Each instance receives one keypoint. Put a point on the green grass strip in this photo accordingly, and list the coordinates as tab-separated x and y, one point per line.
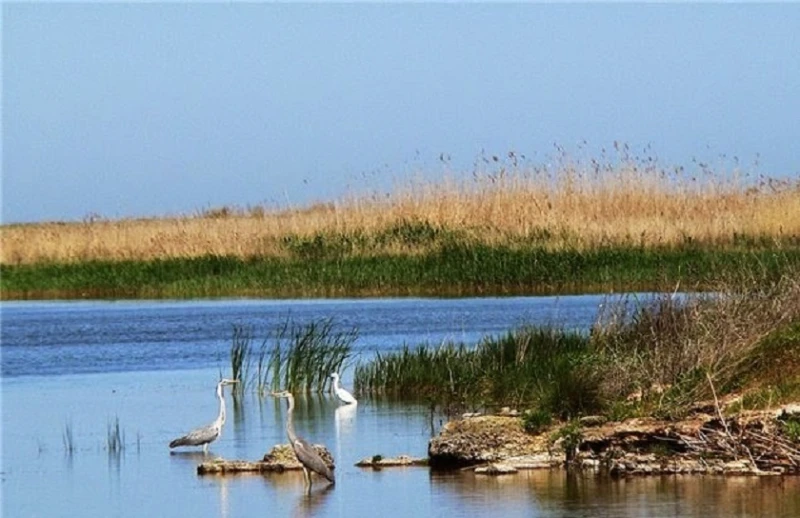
452	270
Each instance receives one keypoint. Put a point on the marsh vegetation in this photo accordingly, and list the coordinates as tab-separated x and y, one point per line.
298	357
507	227
642	357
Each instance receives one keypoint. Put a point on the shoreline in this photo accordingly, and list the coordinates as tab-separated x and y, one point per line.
749	443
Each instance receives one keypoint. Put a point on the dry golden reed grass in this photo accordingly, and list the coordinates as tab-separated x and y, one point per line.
580	206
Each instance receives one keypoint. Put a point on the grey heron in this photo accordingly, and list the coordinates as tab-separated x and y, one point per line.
305	453
205	435
341	393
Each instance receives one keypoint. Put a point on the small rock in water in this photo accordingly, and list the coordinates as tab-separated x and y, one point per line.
496	468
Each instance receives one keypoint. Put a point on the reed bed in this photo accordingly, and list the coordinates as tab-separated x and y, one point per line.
543	366
296	357
650	357
456	270
570	205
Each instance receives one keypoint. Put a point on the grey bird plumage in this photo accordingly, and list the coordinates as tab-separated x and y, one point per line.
305	453
205	435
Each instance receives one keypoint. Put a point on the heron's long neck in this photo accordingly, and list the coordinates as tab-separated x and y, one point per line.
290	420
221	416
336	384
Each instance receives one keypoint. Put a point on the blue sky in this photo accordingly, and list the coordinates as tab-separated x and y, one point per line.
127	110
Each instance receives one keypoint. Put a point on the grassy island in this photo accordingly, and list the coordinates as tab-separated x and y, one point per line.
514	229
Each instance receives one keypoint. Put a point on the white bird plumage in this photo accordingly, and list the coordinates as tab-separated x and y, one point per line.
343	395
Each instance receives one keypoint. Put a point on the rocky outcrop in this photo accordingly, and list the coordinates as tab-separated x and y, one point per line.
747	443
280	458
485	439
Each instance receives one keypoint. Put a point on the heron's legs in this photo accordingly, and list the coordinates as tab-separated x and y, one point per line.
205	449
307	477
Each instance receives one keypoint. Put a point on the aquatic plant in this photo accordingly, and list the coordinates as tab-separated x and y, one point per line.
261	376
642	357
240	354
115	438
294	356
67	439
304	355
543	366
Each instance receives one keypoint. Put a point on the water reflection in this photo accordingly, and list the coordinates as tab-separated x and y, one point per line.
344	422
344	418
224	506
193	456
558	493
309	504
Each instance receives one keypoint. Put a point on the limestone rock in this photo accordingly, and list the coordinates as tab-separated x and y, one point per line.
478	440
280	458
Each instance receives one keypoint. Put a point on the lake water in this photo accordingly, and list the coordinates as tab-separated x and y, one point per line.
152	367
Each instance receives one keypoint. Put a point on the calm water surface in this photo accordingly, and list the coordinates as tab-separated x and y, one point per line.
153	366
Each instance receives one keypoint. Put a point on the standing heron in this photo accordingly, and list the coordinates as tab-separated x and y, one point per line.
305	453
205	435
346	397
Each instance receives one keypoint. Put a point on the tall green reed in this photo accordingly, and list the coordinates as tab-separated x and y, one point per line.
295	356
533	366
304	356
241	358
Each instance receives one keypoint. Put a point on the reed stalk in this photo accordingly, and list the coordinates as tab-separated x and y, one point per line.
297	357
240	354
115	438
68	439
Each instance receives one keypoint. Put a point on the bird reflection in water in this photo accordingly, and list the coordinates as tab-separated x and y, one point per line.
311	503
344	422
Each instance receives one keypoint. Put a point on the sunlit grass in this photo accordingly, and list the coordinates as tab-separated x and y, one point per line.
569	205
